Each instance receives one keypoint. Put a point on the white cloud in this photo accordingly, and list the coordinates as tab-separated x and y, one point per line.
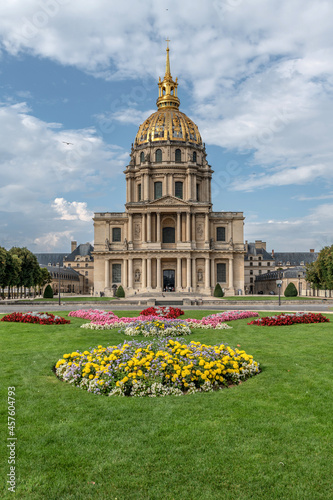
49	242
74	210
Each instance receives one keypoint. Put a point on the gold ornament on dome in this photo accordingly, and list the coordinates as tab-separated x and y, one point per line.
168	123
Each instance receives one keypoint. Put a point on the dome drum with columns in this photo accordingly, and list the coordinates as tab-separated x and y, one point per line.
168	237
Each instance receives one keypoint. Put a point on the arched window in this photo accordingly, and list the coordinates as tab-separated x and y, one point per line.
178	155
142	156
158	155
157	190
179	190
194	157
168	235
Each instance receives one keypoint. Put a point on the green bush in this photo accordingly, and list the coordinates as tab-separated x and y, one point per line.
120	292
218	292
290	291
48	292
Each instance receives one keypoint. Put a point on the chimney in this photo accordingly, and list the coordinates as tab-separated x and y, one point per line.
73	245
272	253
311	250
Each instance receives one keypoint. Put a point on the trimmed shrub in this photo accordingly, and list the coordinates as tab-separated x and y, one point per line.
120	292
218	292
48	292
290	291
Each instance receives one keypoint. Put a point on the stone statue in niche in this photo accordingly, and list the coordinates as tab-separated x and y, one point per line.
200	276
137	231
137	275
147	157
107	244
125	244
200	231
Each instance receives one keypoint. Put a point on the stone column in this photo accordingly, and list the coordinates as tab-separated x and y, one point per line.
130	273
212	272
149	227
144	273
231	273
144	231
130	227
193	227
207	273
179	227
188	273
146	186
158	227
207	228
179	273
127	190
107	274
189	184
149	273
159	274
124	273
194	275
188	226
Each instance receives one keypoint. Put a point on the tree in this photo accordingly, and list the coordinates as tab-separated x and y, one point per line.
44	278
218	292
320	272
3	262
48	292
120	292
290	291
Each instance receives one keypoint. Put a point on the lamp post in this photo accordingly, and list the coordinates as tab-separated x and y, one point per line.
59	283
279	284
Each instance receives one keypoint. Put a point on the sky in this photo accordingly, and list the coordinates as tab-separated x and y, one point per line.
255	76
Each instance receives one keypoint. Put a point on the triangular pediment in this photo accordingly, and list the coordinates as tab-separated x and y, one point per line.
169	200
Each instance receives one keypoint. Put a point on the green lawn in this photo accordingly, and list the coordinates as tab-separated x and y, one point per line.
268	438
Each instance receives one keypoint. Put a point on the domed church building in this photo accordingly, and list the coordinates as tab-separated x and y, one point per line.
168	238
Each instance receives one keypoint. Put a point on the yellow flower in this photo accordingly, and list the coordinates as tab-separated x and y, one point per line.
91	376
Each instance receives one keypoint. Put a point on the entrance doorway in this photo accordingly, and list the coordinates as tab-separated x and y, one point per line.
169	280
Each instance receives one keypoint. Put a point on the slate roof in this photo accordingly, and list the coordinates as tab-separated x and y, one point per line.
295	258
50	258
292	272
82	250
65	272
253	251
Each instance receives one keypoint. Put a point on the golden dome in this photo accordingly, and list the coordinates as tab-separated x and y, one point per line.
168	123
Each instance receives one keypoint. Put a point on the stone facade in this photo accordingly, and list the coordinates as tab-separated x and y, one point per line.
257	261
168	237
81	260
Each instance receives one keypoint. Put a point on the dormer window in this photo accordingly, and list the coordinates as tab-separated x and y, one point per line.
142	157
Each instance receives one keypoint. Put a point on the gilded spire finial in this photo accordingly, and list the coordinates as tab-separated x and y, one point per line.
167	68
167	88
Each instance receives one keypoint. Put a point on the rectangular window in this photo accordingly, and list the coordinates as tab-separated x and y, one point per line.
139	192
116	273
179	190
87	273
251	280
220	234
198	192
116	234
259	264
157	190
221	273
251	272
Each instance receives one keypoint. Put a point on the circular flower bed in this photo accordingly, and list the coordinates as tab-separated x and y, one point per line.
93	314
163	312
216	321
35	317
157	328
158	368
290	319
